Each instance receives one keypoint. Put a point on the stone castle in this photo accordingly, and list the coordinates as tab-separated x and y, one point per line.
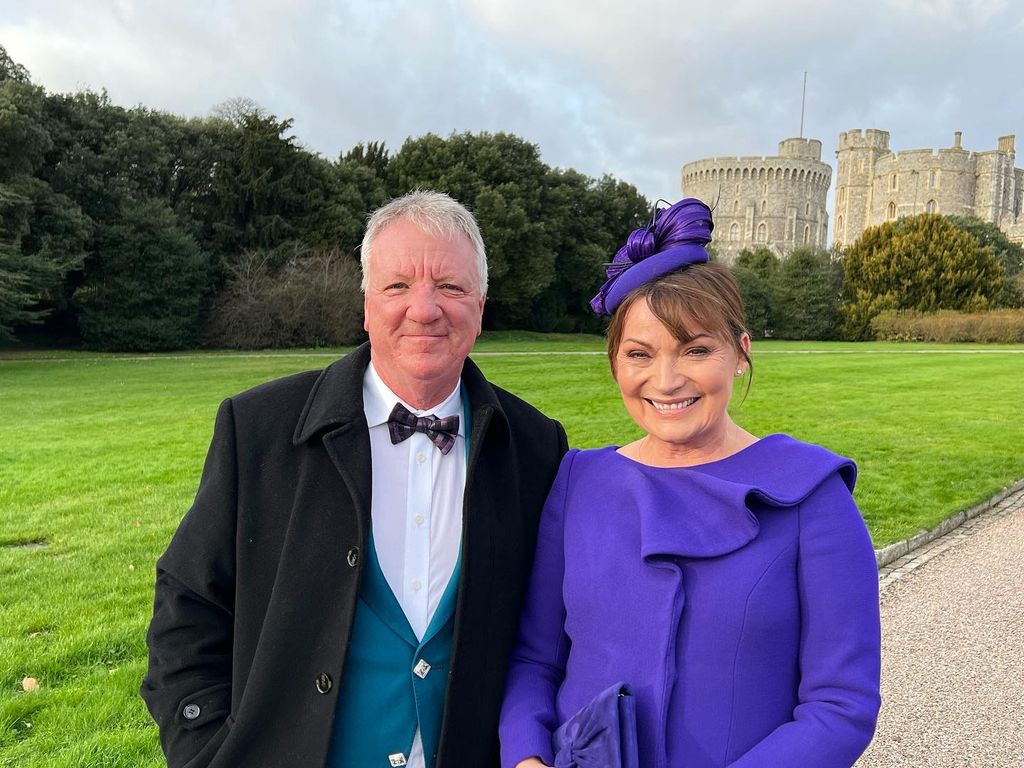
776	202
779	202
875	184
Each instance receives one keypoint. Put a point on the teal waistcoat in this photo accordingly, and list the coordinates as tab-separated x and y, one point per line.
385	692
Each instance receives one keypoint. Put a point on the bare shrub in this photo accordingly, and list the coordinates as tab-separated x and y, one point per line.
998	326
308	297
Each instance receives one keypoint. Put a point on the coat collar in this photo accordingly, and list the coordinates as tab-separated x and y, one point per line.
712	509
336	399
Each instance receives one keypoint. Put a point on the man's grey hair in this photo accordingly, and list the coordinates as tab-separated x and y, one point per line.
435	213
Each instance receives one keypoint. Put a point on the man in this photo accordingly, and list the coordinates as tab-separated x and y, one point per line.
345	588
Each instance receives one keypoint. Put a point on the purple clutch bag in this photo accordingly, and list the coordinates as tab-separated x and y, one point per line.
601	735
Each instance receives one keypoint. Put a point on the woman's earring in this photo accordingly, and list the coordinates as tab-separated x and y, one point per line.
739	371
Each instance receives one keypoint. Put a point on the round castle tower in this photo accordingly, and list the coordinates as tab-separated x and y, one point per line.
775	202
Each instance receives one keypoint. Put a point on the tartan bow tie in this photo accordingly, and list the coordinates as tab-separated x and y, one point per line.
402	423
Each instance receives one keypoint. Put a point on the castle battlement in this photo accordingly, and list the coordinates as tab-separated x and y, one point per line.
870	138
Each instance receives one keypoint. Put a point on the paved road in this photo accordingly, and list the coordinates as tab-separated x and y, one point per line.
953	649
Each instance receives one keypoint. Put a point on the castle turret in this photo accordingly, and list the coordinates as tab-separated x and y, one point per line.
856	158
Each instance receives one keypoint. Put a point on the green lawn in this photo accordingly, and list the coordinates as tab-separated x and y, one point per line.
100	454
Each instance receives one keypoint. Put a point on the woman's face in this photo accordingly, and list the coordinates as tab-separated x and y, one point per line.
677	393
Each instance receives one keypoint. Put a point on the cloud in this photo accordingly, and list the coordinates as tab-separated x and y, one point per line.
634	90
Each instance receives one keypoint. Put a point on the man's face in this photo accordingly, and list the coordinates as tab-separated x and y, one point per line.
423	309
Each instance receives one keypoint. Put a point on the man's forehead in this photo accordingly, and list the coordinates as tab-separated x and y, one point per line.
405	247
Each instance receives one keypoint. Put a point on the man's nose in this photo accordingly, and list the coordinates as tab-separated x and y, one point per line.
424	306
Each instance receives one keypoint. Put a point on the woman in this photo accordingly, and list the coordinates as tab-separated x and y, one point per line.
728	580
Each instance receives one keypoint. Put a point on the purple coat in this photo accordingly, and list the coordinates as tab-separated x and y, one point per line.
738	600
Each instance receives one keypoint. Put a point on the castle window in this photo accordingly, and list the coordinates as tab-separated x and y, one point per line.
734	231
839	226
893	182
762	233
842	195
807	209
807	234
764	206
735	206
931	207
771	174
891	213
933	179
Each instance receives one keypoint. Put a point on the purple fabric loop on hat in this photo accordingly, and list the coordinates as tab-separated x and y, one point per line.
676	238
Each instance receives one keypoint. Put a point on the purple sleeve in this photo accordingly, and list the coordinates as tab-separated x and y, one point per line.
840	642
537	665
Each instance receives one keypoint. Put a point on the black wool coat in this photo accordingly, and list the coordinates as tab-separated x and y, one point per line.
256	594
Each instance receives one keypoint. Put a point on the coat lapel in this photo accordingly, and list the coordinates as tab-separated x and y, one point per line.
335	409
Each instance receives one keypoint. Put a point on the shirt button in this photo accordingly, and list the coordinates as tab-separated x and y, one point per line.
418	519
421	457
353	557
324	682
416	585
191	711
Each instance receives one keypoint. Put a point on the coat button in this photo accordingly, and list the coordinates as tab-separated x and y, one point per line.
353	557
191	711
323	682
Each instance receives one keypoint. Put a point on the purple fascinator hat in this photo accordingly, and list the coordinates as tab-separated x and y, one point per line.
675	237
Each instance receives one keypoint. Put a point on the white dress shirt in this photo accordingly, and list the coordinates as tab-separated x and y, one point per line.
416	508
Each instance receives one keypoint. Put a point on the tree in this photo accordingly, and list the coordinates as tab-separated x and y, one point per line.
806	296
755	272
588	221
373	155
923	263
41	232
144	284
12	70
1009	254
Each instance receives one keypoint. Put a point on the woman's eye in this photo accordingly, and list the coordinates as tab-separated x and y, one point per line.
698	351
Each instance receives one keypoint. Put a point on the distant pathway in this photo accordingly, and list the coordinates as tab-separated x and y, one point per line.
953	649
334	355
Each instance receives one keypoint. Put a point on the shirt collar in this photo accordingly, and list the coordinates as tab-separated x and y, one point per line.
379	400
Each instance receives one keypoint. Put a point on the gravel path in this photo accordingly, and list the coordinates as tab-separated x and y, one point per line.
953	649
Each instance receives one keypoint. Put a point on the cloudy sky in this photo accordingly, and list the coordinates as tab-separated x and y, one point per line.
633	89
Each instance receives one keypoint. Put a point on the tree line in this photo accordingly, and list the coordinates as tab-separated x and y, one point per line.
135	229
138	229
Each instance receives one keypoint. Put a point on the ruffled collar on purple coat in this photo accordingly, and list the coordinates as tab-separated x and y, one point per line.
675	238
715	515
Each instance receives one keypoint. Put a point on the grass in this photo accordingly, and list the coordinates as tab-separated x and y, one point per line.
100	454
